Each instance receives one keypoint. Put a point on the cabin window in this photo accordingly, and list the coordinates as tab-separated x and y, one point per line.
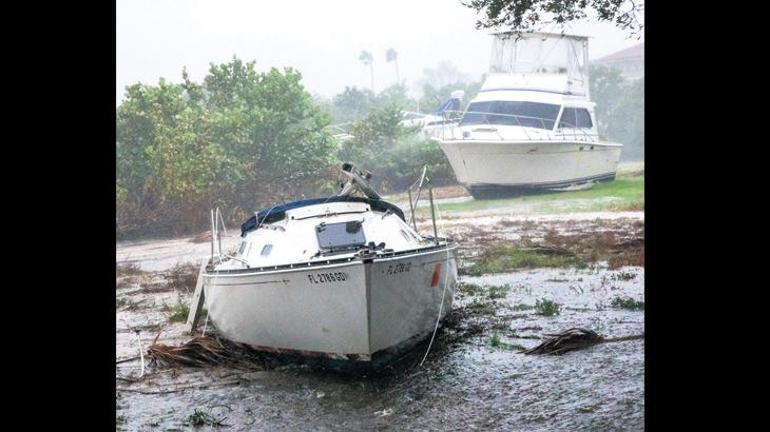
512	113
244	248
584	118
340	236
575	117
568	118
405	235
266	249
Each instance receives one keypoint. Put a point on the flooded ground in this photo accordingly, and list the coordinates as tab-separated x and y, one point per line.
473	379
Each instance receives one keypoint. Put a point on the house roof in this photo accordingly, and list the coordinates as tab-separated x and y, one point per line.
634	52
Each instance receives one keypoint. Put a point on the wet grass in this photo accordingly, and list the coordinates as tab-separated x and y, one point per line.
627	303
494	341
634	257
486	292
202	418
127	269
121	302
179	312
547	307
498	292
625	193
503	257
183	277
623	276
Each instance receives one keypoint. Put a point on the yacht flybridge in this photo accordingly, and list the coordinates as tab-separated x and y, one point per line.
532	124
343	277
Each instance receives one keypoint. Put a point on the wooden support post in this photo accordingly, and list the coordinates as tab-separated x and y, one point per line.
196	305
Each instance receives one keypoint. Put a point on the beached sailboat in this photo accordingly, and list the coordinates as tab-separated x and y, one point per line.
342	277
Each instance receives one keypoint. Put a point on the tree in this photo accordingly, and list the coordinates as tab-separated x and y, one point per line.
524	15
392	56
352	104
367	59
444	74
393	153
619	110
240	140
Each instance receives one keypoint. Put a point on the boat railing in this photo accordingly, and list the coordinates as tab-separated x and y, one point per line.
564	132
422	181
217	222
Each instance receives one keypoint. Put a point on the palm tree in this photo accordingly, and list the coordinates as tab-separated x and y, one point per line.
367	59
392	56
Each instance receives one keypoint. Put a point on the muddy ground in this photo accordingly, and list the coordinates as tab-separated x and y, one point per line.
473	377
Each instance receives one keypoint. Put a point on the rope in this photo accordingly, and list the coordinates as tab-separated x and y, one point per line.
141	352
205	323
443	295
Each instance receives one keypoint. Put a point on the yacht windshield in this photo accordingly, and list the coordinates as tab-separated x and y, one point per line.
512	113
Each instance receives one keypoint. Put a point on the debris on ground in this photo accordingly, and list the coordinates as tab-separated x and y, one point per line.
205	351
573	339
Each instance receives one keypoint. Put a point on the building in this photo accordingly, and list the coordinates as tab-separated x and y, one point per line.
630	61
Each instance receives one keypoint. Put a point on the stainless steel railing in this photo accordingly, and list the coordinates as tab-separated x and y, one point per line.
450	128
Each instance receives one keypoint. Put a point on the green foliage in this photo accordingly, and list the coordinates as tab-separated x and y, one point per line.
627	303
352	104
547	307
494	341
201	418
520	15
355	104
180	311
393	153
619	109
238	138
502	257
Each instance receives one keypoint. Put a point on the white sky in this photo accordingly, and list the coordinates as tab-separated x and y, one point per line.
322	39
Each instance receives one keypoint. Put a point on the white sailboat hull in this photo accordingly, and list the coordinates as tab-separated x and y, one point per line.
346	310
497	165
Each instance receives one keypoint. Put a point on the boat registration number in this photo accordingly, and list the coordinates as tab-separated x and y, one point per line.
327	277
399	268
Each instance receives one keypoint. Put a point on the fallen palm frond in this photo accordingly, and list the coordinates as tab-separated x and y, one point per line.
205	351
573	339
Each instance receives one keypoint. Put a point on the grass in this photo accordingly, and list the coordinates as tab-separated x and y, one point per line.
180	311
627	303
127	269
469	288
623	276
120	302
497	292
502	257
625	193
495	342
183	277
547	307
201	418
487	292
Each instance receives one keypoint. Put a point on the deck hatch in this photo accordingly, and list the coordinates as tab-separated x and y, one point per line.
342	235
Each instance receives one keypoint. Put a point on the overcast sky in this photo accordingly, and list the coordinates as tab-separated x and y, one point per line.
322	39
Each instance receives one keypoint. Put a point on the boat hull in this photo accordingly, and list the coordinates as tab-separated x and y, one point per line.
494	168
348	311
